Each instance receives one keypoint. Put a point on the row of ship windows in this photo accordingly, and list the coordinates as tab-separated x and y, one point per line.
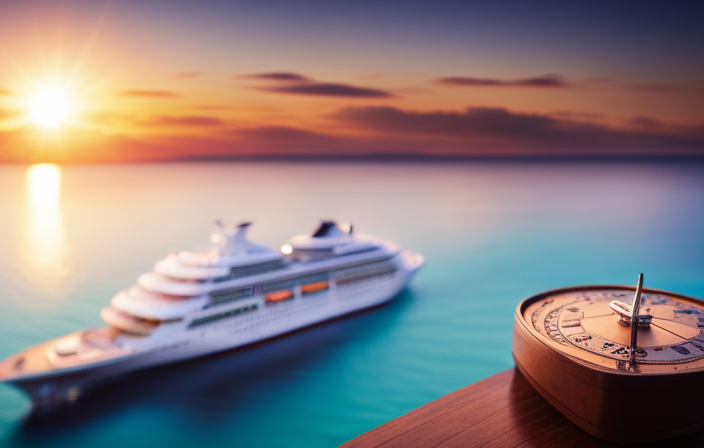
282	290
285	294
246	271
279	296
248	325
223	315
236	311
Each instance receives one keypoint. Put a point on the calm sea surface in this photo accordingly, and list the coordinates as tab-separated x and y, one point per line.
492	234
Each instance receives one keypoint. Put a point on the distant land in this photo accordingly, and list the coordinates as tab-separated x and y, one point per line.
427	158
389	158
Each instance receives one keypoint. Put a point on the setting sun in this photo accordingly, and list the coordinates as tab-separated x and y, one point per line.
49	108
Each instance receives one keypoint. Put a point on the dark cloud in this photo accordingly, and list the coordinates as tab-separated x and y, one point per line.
656	88
645	122
189	75
262	140
541	81
295	84
498	127
278	133
578	115
139	93
538	81
474	121
665	88
464	81
186	120
329	89
278	76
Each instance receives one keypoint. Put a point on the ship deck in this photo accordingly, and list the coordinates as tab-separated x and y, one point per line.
32	360
92	346
501	411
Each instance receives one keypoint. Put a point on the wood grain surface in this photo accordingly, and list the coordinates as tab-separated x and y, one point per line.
501	411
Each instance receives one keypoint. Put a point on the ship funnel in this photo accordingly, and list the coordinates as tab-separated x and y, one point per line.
329	229
234	242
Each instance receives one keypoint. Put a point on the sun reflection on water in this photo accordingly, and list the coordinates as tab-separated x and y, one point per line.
45	252
44	183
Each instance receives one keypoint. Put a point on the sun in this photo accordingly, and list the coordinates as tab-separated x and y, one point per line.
50	107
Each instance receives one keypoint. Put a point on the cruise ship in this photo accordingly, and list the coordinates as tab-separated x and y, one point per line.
197	303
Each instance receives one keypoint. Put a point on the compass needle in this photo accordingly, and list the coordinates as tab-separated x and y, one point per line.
635	318
598	315
671	332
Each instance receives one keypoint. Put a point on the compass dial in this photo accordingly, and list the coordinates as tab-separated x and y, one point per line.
624	364
584	324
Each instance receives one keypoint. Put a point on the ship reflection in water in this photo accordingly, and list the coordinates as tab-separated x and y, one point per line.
45	253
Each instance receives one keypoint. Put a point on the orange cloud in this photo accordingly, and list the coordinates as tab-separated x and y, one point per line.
185	120
578	115
279	133
188	75
150	93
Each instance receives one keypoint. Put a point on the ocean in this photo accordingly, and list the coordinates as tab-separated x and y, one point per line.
492	233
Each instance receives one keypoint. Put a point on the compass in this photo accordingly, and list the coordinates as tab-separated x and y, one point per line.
624	363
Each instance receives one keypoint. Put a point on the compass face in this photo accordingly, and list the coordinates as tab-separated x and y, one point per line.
581	323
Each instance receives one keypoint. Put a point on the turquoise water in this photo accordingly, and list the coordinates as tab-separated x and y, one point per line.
492	234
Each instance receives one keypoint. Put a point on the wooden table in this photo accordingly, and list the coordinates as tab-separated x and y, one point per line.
501	411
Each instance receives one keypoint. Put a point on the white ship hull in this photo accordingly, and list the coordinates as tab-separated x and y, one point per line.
180	344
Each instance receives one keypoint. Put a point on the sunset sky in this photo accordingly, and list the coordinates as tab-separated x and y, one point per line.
164	79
